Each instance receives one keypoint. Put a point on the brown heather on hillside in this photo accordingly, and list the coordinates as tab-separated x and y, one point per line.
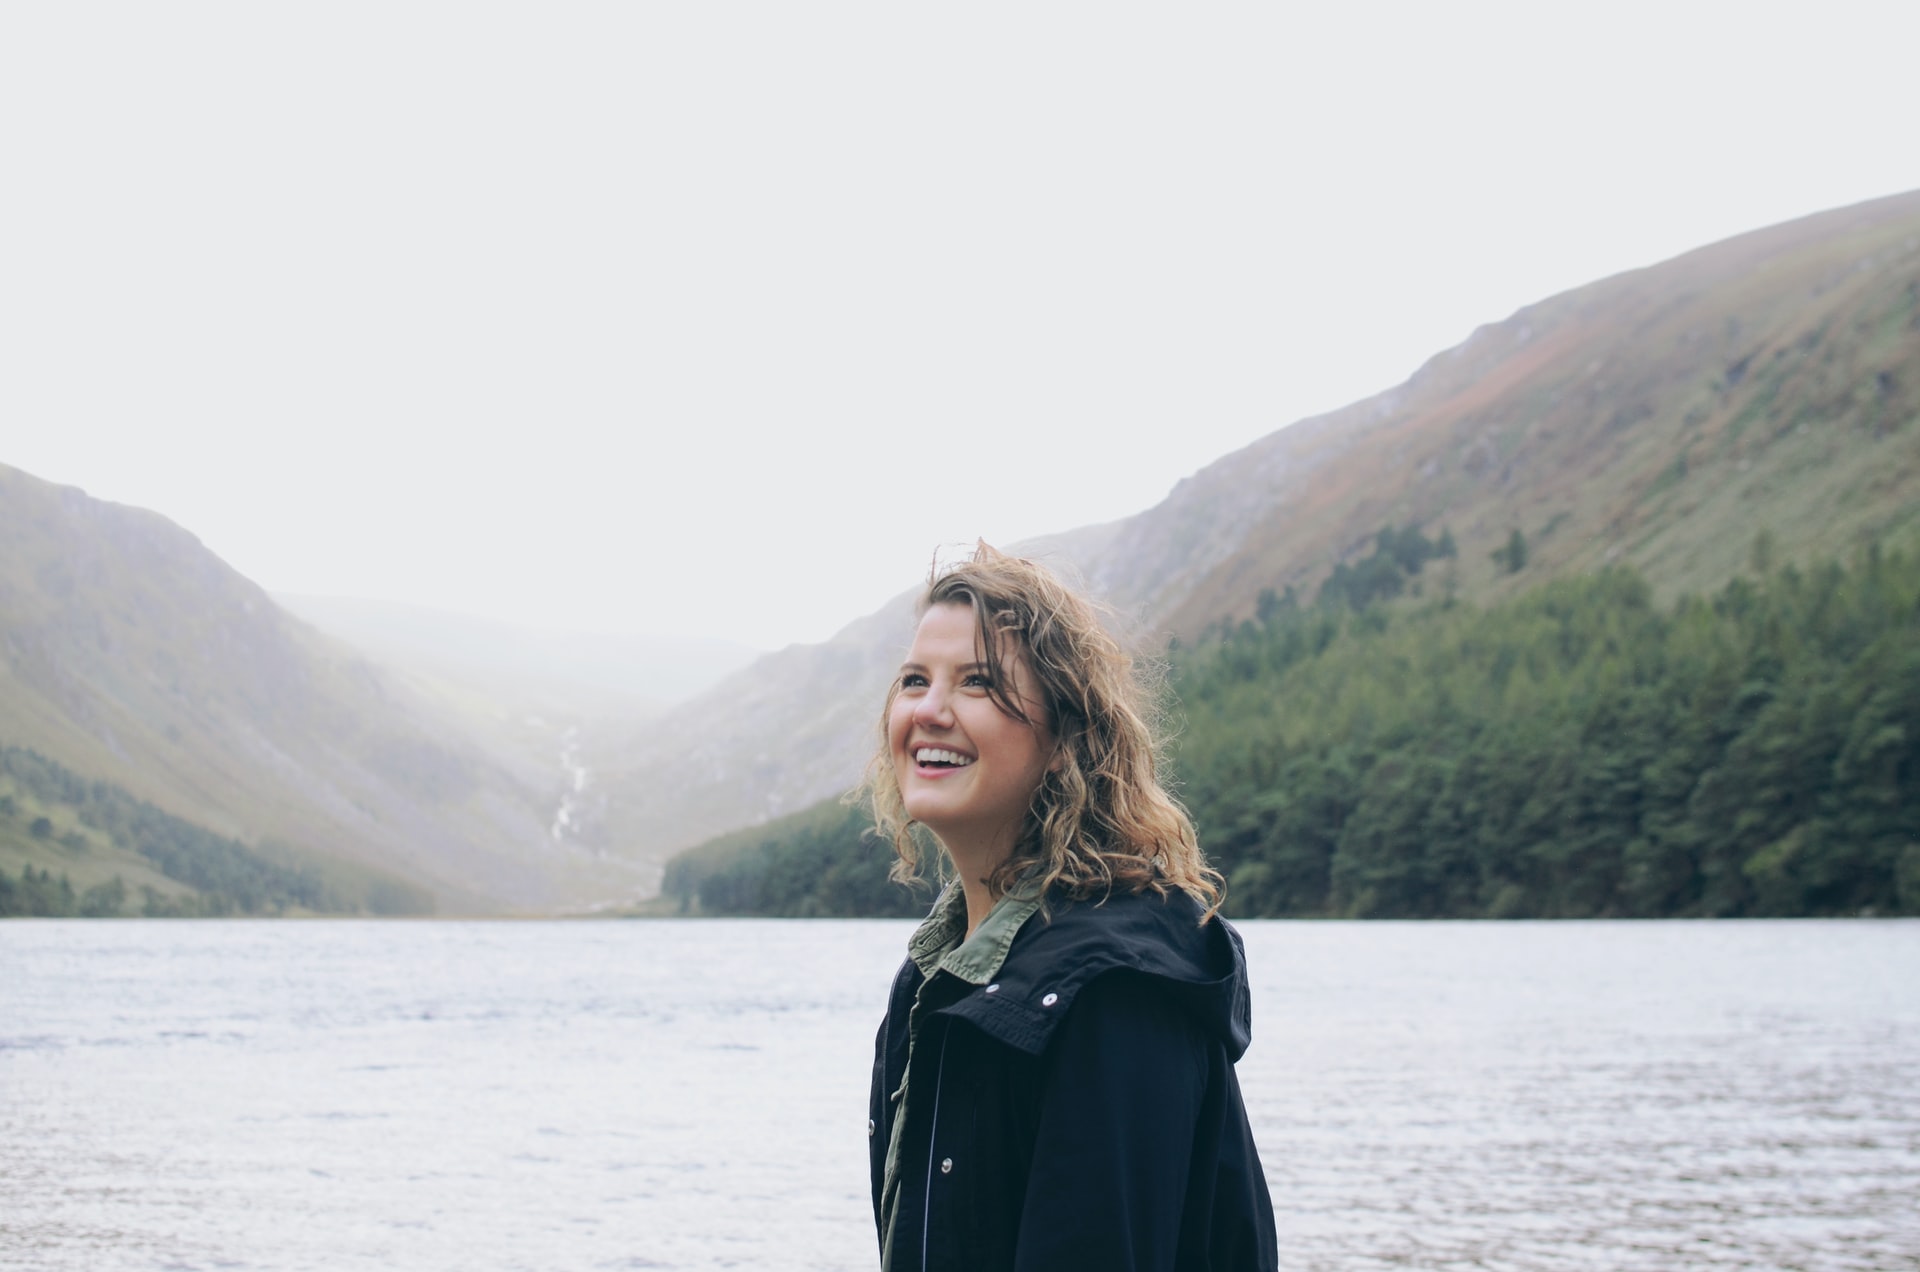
1662	418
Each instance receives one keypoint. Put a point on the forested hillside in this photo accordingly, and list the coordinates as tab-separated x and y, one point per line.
1657	419
1576	751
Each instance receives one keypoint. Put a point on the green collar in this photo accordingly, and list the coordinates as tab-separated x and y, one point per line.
937	944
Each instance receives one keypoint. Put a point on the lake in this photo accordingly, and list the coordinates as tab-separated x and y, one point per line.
692	1094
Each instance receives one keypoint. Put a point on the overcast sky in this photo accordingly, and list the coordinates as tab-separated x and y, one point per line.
719	318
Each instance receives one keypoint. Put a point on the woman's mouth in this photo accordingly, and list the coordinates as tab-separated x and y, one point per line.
939	758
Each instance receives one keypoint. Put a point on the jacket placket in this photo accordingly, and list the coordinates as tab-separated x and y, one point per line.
907	1216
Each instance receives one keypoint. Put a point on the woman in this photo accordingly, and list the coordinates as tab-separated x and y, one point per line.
1053	1084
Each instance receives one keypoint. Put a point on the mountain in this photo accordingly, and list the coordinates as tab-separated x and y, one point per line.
1662	418
1659	418
132	655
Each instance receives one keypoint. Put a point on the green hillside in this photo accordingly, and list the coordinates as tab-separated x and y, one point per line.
1577	750
818	863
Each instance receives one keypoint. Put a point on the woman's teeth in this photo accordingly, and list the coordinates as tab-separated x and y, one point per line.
935	755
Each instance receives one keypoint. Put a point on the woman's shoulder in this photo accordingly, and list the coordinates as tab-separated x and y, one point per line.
1159	942
1168	933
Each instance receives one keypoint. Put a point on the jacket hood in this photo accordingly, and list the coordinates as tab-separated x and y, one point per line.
1062	949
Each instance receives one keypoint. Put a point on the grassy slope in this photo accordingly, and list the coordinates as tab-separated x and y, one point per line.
95	860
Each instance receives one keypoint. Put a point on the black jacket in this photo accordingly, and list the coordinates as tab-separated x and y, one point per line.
1081	1111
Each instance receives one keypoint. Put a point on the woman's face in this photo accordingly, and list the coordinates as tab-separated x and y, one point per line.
967	770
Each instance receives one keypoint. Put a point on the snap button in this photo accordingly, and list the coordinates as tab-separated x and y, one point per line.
1050	1000
869	1128
946	1165
993	989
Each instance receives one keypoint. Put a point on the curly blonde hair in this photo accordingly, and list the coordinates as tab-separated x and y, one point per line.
1100	820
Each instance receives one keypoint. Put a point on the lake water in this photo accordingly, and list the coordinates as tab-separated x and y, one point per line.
589	1095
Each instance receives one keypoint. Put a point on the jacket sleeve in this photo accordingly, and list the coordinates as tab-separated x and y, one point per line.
1123	1087
878	1126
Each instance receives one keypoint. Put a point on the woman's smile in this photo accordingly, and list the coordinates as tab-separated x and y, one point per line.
934	761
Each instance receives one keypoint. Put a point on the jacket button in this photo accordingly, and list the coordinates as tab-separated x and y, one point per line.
946	1165
1050	1000
993	988
869	1128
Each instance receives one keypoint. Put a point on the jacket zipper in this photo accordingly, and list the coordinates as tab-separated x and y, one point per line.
933	1140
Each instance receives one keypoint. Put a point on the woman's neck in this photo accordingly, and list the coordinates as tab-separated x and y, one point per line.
974	863
980	900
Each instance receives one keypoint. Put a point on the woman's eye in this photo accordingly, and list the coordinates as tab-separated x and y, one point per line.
978	680
913	680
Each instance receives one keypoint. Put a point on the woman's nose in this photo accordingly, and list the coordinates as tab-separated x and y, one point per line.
934	707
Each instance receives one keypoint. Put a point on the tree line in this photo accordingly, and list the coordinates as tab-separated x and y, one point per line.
821	862
38	893
1576	751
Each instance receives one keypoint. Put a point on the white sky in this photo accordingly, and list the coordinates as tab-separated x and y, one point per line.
717	318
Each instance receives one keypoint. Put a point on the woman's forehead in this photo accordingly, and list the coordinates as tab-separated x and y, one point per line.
950	631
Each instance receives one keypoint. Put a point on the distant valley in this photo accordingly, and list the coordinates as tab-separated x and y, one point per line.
577	675
135	658
1663	419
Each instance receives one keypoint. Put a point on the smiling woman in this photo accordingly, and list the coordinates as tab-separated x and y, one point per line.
1053	1084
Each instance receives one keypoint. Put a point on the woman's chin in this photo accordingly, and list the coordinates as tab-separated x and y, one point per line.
928	812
